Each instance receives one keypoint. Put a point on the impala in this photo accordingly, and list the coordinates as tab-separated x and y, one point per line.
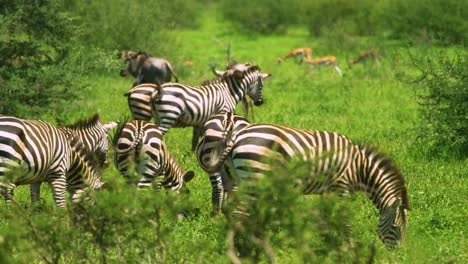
326	60
296	53
365	56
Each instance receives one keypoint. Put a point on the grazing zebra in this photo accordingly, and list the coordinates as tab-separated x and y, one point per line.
94	135
178	105
251	151
33	151
139	101
139	150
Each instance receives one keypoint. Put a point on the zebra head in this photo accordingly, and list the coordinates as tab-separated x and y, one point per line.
250	79
393	224
218	136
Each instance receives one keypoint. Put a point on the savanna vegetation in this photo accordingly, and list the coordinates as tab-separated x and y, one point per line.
58	63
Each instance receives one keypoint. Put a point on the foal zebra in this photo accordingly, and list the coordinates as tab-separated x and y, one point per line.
178	105
34	151
251	151
139	150
94	135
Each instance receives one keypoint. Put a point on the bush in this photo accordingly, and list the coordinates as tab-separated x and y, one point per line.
280	216
35	41
264	17
442	91
133	25
352	17
442	21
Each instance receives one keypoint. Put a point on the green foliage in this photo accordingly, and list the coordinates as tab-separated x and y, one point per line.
443	95
276	215
440	21
135	25
264	17
35	39
352	17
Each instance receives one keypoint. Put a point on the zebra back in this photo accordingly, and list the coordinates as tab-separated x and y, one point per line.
140	152
178	105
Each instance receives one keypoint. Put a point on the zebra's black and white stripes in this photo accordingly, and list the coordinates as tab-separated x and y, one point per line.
94	135
139	101
178	105
34	151
140	154
252	151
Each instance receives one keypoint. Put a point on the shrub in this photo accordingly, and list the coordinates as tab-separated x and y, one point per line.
443	21
135	25
264	17
352	17
442	94
280	216
35	41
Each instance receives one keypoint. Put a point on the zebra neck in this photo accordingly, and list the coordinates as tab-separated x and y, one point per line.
83	170
173	173
236	88
380	180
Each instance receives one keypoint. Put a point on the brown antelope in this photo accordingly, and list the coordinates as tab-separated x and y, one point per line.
364	56
296	53
326	60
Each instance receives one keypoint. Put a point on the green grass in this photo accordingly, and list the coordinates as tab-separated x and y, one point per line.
367	105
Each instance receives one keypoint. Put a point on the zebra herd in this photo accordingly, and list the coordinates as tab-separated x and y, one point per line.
227	146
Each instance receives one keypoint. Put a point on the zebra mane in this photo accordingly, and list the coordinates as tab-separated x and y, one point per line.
386	162
85	123
78	146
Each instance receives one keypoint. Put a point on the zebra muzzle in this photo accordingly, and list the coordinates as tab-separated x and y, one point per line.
258	102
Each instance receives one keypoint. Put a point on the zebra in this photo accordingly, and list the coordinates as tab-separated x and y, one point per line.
251	150
94	135
139	150
178	105
33	151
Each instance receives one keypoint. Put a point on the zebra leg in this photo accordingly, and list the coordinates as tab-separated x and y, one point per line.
35	189
58	186
197	131
9	192
217	192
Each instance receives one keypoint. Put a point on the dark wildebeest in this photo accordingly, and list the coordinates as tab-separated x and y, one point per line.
146	69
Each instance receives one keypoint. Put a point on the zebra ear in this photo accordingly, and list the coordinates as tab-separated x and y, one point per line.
219	73
189	176
110	126
264	75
